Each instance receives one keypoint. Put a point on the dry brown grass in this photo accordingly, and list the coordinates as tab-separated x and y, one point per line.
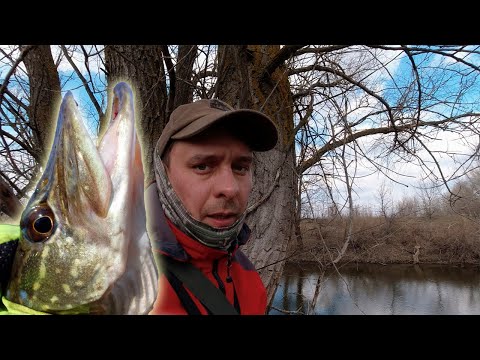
447	240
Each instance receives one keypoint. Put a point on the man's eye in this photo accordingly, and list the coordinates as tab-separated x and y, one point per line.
201	167
241	169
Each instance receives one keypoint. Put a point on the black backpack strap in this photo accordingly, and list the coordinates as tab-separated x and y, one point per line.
185	299
209	295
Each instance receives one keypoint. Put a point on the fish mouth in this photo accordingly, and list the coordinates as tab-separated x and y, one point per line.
81	182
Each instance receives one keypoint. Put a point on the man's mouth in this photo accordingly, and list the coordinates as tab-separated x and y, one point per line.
221	220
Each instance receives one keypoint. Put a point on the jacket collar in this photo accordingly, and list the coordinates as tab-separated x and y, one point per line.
166	238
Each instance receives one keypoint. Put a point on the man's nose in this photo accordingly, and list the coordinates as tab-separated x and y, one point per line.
226	184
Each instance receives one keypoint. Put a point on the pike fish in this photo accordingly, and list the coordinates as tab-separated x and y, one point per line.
83	246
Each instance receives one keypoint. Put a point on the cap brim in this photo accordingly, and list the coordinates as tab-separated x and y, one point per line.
255	128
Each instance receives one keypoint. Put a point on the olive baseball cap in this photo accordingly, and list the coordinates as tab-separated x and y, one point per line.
256	129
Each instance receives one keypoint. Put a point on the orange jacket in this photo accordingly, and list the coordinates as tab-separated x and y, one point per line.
232	273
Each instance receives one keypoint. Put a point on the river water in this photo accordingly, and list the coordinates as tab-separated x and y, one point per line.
378	289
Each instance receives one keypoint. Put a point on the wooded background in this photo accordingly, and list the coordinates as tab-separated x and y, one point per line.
335	106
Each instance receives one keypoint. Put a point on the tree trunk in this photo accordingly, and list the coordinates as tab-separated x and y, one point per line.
9	204
241	83
141	66
298	215
186	57
44	96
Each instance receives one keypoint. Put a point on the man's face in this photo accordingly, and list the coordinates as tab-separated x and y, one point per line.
211	174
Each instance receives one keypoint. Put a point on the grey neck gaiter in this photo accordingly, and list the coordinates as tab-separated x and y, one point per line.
174	210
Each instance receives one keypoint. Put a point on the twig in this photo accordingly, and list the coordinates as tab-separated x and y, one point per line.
24	52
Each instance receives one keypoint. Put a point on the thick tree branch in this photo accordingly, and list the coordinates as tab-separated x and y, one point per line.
284	54
315	158
183	72
320	50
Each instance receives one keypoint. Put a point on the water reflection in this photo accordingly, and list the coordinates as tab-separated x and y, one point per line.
378	289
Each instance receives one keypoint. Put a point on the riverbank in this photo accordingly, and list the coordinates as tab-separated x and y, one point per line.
449	240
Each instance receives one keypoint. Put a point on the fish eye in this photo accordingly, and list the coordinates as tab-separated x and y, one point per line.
39	223
43	225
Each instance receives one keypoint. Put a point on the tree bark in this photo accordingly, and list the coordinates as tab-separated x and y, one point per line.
240	83
9	204
184	69
44	96
141	66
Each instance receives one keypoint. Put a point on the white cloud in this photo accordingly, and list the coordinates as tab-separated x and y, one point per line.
369	179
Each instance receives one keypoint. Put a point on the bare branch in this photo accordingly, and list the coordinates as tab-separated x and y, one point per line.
6	80
433	51
172	77
15	99
320	50
84	82
267	194
19	142
419	85
304	120
301	168
350	80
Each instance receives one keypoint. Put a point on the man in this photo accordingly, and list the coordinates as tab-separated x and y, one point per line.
196	209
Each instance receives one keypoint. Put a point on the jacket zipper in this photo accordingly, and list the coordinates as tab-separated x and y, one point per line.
229	279
221	285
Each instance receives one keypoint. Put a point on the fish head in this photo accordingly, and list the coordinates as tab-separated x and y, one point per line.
83	228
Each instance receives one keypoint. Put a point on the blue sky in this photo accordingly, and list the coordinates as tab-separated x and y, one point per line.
442	76
371	179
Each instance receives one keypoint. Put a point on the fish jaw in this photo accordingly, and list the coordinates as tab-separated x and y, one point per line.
121	154
136	290
77	229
